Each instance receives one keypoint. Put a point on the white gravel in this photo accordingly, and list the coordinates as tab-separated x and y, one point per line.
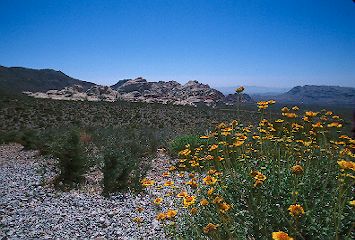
28	210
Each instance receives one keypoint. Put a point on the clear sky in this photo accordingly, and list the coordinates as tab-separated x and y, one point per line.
276	43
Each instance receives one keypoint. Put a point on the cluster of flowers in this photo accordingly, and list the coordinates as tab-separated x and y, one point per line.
212	164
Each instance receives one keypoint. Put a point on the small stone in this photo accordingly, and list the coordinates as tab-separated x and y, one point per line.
102	220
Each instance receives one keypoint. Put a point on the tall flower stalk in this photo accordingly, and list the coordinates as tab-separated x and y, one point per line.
239	91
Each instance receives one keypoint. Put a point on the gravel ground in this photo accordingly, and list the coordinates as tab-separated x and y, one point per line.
28	210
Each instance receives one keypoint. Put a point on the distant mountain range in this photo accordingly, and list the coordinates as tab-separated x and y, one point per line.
48	83
315	95
255	90
308	94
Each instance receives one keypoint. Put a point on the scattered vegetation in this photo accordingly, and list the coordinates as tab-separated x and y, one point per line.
18	113
119	135
281	175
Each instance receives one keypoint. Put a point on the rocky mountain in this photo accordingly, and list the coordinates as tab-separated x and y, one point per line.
140	90
191	93
312	94
18	79
48	83
119	83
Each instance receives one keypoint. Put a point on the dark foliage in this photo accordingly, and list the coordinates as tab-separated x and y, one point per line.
71	158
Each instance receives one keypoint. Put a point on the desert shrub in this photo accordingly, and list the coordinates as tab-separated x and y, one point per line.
29	139
122	151
48	140
290	177
118	165
8	136
71	158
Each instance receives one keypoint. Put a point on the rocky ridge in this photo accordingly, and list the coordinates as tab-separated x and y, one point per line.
192	93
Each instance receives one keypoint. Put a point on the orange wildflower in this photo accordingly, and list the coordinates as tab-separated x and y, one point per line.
210	227
158	200
209	180
280	235
296	210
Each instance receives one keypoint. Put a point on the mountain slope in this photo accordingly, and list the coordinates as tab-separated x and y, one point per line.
119	83
18	79
312	94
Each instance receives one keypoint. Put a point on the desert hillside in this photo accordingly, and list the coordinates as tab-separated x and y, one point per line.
19	79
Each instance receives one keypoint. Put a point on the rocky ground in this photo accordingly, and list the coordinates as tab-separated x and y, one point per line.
30	209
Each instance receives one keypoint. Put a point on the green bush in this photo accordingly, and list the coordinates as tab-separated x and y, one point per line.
118	165
29	139
71	158
122	151
7	137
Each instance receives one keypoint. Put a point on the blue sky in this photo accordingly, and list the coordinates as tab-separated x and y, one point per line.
276	43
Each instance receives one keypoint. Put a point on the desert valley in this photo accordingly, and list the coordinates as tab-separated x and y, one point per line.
90	153
177	120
